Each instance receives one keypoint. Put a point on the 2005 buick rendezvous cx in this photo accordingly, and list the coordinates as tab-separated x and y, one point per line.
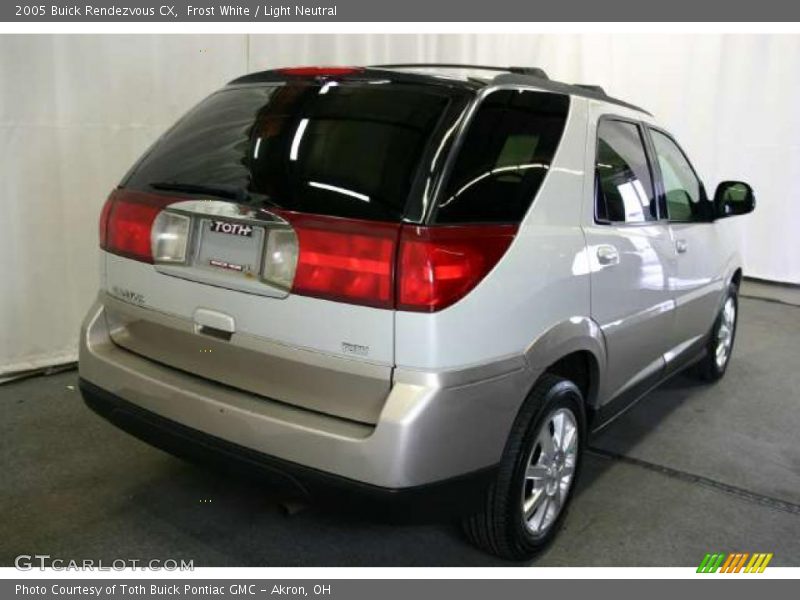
417	284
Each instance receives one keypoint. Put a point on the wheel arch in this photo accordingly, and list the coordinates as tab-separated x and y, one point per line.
736	278
573	349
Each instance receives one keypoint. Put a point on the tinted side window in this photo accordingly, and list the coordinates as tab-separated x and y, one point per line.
505	157
624	191
682	189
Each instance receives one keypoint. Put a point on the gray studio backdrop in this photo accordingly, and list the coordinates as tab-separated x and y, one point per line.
75	111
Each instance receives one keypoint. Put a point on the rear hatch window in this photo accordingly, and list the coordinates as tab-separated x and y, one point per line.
339	149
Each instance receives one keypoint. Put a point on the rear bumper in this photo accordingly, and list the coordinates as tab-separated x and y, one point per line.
459	494
433	426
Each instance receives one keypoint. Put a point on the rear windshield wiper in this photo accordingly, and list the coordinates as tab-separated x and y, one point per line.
231	192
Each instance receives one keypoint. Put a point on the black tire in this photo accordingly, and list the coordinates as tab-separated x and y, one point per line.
708	369
500	527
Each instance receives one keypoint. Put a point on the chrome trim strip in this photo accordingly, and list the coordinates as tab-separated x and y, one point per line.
227	210
202	210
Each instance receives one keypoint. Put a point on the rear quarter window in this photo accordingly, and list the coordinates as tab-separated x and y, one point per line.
505	156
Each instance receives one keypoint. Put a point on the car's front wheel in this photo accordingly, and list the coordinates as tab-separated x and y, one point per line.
720	343
527	502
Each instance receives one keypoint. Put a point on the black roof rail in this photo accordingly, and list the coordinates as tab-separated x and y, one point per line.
591	88
531	71
531	76
585	91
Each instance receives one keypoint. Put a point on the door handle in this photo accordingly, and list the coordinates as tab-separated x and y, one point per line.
607	255
214	323
681	246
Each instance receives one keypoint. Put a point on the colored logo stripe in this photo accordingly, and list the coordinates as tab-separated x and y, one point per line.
758	563
710	563
734	562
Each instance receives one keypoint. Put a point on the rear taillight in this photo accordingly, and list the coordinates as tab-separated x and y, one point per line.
355	261
345	260
385	265
103	225
126	223
439	265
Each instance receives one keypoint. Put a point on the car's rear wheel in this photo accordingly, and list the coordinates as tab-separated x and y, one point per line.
526	504
720	343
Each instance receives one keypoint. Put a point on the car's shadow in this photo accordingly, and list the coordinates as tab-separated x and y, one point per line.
635	423
227	520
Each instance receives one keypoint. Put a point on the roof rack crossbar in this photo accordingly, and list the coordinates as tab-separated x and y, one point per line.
532	71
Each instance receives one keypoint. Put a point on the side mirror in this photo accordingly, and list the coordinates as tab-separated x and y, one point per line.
733	198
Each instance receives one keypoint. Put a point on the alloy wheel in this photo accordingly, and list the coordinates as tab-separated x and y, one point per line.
722	352
550	471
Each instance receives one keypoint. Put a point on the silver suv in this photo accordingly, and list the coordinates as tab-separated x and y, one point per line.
416	284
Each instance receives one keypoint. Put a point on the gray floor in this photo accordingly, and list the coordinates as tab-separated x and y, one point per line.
788	293
690	469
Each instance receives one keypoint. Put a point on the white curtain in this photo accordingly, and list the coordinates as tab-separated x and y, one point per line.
76	111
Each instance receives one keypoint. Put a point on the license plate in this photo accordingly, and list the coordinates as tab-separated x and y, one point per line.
230	248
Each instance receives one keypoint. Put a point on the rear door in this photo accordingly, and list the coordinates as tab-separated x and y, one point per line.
632	258
279	208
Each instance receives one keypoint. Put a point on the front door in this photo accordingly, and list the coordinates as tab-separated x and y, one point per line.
699	273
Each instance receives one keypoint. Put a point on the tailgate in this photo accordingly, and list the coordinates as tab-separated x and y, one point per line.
217	300
254	244
326	383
